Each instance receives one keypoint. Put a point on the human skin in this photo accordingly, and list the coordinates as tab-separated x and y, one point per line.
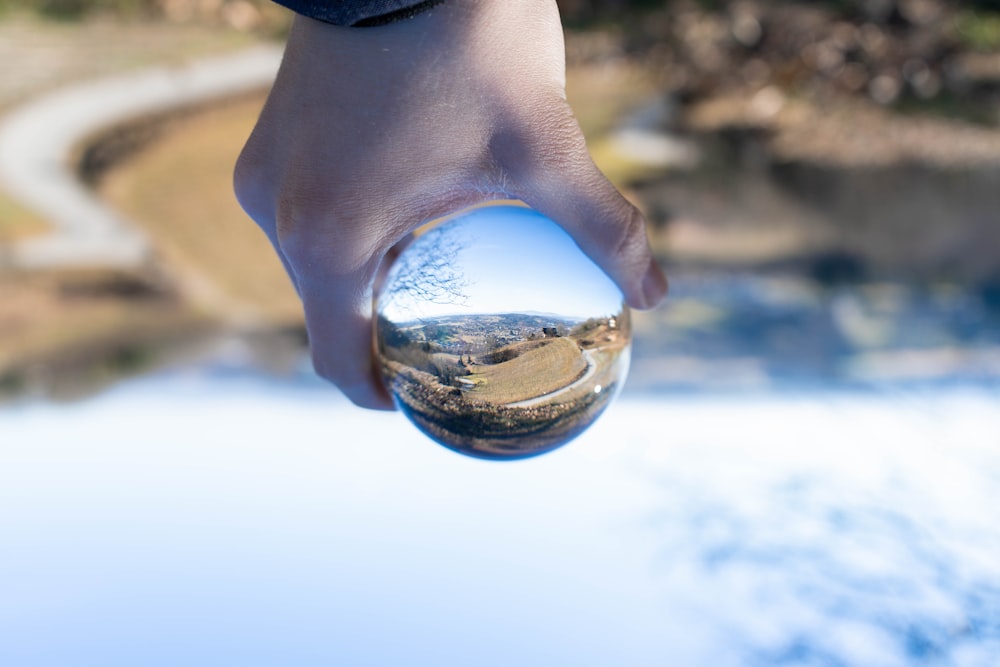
370	132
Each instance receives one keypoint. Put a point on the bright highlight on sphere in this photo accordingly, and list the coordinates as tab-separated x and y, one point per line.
497	336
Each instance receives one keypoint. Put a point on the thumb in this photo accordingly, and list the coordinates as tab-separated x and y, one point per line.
609	229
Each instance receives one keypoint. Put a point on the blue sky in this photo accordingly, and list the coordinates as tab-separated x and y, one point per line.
516	260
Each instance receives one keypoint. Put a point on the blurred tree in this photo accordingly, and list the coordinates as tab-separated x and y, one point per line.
587	11
74	9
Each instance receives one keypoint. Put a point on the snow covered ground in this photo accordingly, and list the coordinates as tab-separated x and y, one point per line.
198	518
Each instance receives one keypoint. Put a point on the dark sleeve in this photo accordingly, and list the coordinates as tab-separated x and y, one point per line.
358	12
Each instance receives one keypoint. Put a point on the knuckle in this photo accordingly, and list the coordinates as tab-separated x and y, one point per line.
629	234
301	204
250	186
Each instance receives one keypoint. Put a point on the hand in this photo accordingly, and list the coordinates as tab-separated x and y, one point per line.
369	132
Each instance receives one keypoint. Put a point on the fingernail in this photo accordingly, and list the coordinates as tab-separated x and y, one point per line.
654	284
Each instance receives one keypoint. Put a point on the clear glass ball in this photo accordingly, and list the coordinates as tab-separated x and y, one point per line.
497	336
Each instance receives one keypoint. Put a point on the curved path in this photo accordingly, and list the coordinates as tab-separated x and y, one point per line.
588	356
37	139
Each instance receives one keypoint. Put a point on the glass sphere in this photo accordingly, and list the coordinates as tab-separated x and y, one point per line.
497	336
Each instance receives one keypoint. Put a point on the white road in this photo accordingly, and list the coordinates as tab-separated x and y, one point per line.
37	139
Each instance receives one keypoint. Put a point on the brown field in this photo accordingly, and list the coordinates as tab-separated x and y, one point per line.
540	370
179	190
16	222
66	333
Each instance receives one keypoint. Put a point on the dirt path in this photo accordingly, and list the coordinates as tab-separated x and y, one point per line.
37	138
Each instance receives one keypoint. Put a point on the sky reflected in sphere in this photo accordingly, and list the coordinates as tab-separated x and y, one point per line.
498	337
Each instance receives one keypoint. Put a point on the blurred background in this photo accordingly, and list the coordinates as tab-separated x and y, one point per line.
803	469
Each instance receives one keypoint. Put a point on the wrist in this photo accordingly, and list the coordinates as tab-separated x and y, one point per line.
359	13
